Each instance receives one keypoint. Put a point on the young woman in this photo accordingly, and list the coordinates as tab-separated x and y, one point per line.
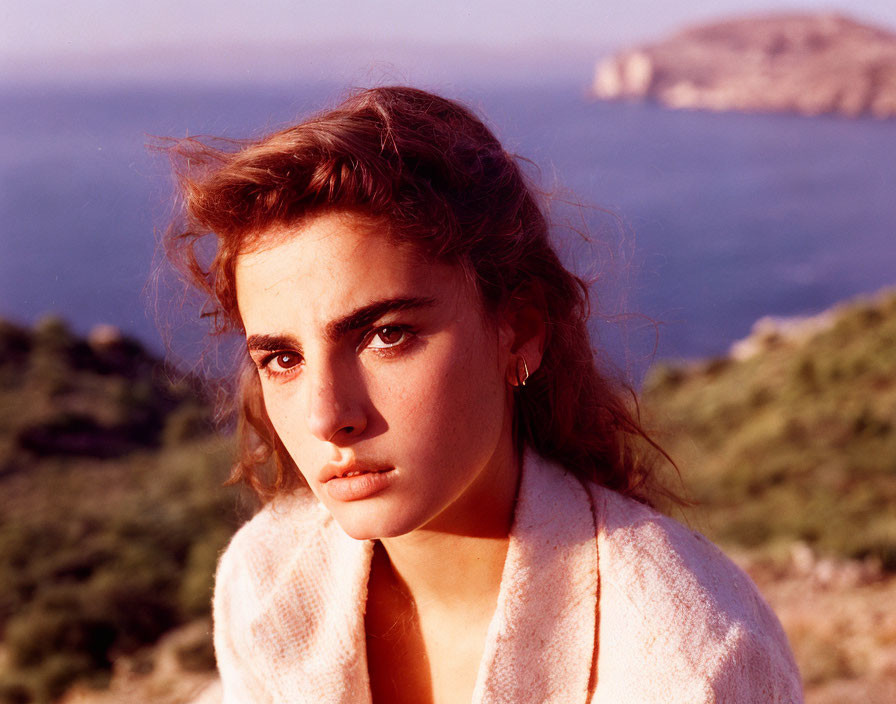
457	501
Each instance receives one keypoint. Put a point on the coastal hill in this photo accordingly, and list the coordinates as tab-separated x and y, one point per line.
791	436
112	514
809	64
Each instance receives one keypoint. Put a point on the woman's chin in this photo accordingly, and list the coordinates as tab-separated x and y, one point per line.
367	523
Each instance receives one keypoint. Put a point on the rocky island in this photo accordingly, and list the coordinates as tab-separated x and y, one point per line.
809	64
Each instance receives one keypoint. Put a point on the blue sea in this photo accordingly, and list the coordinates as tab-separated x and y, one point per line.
698	224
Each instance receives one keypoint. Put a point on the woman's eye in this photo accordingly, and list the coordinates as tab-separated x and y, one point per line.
282	362
386	337
287	359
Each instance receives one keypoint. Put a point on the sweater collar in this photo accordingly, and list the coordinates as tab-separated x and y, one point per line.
540	643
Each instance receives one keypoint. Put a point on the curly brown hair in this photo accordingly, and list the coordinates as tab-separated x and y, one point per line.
438	176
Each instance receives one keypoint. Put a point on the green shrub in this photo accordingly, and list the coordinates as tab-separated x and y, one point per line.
15	691
56	673
188	422
796	442
101	551
666	376
199	574
806	374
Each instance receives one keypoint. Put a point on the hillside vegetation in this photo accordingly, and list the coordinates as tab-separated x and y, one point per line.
111	511
793	436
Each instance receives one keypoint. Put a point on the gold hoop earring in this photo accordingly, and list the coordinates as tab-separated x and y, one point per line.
524	377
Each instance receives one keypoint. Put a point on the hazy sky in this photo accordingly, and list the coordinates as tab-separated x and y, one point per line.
32	31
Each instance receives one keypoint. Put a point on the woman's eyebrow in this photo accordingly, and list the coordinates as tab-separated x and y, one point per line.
367	315
359	318
271	343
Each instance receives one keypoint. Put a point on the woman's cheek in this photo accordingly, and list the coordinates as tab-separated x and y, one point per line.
289	420
278	402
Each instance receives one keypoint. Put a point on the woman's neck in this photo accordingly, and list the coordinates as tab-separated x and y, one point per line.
428	616
444	572
457	560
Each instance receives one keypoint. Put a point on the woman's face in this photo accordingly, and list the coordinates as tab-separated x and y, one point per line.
381	374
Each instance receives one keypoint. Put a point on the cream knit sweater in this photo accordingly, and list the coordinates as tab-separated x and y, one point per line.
602	600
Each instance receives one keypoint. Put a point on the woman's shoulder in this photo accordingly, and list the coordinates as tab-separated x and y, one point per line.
670	595
654	556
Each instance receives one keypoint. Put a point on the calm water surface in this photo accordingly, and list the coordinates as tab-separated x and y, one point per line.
716	220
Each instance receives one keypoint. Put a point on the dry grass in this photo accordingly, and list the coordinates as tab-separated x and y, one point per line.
841	622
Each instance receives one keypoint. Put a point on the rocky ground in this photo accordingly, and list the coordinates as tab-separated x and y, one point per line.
839	617
841	623
176	671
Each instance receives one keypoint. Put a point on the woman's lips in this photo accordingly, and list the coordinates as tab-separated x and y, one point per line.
355	483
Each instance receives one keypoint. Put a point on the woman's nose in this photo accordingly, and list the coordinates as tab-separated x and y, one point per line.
335	404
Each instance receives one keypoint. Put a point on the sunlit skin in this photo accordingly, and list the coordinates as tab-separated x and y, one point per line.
373	359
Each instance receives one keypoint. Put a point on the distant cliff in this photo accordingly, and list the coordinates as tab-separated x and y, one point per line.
807	64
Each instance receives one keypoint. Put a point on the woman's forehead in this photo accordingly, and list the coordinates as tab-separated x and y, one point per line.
321	223
341	240
333	263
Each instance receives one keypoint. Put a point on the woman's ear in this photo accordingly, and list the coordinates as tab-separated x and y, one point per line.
524	318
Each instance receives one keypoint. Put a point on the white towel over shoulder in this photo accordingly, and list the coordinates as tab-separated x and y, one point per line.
602	600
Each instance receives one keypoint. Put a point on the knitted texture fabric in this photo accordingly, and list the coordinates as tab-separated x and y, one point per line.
602	600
